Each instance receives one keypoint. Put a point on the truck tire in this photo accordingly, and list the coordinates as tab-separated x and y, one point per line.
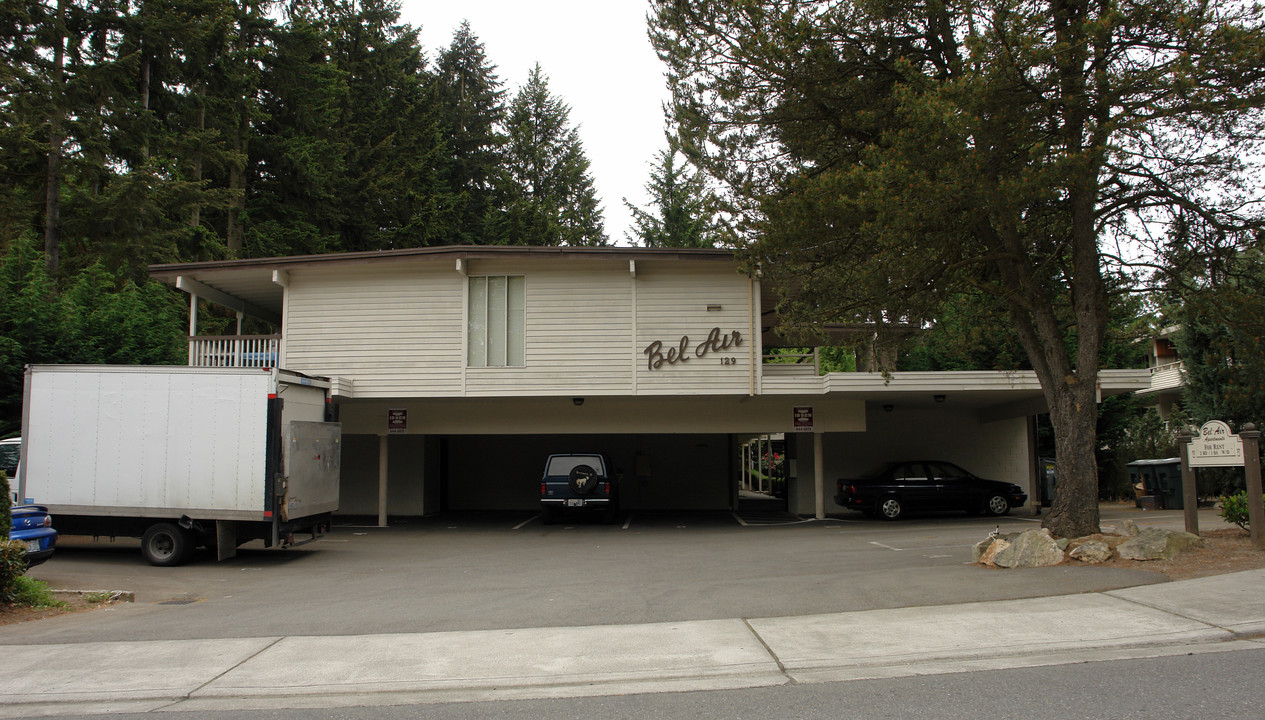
166	545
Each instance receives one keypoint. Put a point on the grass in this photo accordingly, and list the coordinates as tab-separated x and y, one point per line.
32	593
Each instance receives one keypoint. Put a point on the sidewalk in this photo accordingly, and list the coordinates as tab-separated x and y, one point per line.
1213	614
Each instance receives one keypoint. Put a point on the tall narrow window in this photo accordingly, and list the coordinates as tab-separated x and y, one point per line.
495	327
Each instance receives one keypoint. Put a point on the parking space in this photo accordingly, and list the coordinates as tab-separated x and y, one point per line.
467	571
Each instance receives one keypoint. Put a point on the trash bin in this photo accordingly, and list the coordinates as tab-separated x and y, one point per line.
1049	479
1159	478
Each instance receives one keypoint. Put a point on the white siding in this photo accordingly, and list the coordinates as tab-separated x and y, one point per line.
672	303
398	330
579	319
395	329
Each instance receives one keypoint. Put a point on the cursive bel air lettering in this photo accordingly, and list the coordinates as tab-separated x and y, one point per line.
656	356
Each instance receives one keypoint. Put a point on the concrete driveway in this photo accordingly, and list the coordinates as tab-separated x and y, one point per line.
506	570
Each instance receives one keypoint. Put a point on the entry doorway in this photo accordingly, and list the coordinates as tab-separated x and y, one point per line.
763	483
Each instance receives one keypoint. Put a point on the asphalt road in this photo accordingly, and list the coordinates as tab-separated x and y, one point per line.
507	570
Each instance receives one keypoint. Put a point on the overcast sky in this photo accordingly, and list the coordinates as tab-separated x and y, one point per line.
598	60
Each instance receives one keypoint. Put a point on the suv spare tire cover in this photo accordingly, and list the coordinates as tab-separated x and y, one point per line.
582	479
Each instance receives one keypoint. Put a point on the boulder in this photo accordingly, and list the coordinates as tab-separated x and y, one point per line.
1092	551
1131	528
1032	548
1158	544
997	545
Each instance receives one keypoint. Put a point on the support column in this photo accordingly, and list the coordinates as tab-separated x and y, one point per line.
1251	438
382	481
193	324
1190	490
819	476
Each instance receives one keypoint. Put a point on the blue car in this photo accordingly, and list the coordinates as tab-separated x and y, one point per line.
33	526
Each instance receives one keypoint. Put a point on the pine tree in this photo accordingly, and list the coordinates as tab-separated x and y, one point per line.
472	99
547	192
683	209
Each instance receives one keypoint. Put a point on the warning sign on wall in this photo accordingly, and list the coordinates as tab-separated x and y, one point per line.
803	419
397	421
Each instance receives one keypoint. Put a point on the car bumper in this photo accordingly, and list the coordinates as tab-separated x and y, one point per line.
576	502
39	545
850	501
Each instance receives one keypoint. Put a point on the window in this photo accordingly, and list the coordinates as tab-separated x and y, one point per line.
496	321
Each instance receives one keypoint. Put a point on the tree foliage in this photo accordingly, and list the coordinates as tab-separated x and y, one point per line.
1222	341
883	155
141	132
682	209
547	191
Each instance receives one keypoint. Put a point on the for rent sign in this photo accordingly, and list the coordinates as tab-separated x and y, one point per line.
1216	446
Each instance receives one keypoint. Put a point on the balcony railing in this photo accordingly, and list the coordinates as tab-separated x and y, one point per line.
1167	376
791	365
248	351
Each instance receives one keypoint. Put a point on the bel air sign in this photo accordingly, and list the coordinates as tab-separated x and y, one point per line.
715	344
1216	446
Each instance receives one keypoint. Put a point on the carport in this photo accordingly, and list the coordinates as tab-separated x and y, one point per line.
684	453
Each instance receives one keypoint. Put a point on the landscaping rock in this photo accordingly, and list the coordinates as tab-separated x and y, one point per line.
997	545
1032	548
1158	544
1131	528
1092	552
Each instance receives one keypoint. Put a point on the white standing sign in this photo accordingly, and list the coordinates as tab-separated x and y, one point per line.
1216	446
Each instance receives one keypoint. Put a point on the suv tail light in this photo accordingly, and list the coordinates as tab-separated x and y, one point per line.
544	489
606	488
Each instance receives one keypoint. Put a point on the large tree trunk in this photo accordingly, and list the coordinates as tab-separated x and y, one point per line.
1074	414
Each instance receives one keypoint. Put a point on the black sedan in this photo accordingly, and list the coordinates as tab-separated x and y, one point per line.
899	487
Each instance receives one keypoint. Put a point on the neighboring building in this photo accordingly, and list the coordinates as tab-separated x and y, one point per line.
1165	366
455	371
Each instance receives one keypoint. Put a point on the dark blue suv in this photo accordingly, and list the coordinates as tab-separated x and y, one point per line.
578	482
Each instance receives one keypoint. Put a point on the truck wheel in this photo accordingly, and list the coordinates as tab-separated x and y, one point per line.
166	545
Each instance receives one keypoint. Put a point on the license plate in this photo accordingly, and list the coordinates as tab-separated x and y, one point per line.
32	546
575	502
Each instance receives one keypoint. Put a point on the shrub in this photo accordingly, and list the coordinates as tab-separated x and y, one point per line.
1234	509
12	567
6	515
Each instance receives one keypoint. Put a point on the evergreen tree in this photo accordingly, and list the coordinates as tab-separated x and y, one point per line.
546	192
391	193
682	209
299	152
472	100
881	156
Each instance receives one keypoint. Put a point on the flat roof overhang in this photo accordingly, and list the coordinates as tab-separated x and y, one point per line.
994	395
256	286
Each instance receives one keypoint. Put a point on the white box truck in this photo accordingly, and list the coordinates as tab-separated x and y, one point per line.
180	457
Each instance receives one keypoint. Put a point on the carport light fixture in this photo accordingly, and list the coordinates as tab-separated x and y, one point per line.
888	408
938	398
578	401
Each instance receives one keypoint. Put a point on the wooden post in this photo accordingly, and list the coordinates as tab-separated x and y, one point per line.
1251	438
1190	490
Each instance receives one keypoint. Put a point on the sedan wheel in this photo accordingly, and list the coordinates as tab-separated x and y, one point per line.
890	508
997	505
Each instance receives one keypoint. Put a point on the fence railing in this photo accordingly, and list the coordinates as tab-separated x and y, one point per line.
249	351
790	364
1166	376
